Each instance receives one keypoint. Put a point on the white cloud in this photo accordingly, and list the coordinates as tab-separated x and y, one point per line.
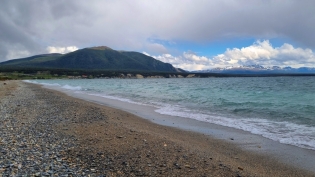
147	54
61	50
187	61
261	53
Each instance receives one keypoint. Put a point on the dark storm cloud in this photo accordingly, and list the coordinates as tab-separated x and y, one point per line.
26	24
12	35
29	27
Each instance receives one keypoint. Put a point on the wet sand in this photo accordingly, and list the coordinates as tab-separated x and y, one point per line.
92	139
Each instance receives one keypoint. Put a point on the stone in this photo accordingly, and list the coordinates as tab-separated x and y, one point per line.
240	168
139	76
187	166
190	75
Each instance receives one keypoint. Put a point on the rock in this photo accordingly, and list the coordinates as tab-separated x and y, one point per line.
171	76
177	166
45	174
190	76
139	76
122	76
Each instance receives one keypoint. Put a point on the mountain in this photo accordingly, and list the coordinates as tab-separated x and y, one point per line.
101	58
258	69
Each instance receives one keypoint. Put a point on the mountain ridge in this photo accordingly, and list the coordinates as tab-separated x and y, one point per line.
258	69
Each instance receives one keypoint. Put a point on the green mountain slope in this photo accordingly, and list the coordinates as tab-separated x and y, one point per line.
102	58
33	60
152	63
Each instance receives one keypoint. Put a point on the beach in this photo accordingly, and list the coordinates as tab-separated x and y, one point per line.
46	132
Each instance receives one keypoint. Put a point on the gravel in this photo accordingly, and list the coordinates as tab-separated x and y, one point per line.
29	145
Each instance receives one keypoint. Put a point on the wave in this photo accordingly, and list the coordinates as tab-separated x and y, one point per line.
115	98
68	87
29	81
283	132
46	84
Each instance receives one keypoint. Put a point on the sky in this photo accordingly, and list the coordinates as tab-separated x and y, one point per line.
189	34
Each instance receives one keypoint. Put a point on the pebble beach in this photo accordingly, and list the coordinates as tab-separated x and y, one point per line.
47	133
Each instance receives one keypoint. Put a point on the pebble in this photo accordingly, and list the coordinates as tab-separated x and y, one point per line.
29	145
240	168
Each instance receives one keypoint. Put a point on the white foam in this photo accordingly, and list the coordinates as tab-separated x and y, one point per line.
28	81
68	87
48	84
42	83
115	98
283	132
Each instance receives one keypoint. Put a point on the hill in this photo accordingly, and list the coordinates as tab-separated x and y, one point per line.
100	58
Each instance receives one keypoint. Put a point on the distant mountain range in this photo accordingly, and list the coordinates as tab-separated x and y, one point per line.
258	69
97	58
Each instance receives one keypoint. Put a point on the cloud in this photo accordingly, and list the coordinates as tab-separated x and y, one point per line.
147	54
17	53
188	61
61	50
261	53
127	25
156	48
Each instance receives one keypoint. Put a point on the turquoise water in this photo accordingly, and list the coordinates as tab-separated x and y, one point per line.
278	108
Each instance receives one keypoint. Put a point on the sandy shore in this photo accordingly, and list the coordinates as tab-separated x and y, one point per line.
46	133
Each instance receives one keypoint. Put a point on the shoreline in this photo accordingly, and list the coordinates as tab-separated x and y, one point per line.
284	153
118	143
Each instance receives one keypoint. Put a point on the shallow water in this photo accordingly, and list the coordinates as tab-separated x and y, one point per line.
278	108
